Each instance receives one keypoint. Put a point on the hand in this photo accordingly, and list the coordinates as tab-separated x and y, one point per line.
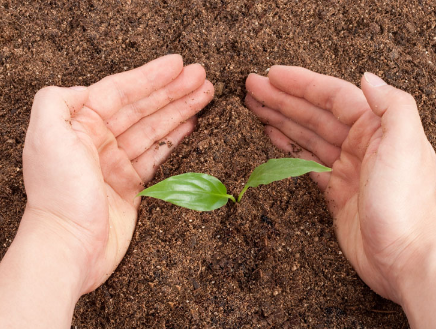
87	153
381	191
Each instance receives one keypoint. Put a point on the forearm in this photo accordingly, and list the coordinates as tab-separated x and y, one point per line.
38	285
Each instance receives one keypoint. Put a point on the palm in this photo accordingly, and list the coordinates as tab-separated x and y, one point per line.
122	124
372	173
348	194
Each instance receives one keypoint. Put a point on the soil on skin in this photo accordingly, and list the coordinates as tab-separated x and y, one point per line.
272	261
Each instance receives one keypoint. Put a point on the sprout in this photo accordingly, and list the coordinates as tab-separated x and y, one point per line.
203	192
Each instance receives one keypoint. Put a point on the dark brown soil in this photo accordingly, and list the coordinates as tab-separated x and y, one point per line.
272	261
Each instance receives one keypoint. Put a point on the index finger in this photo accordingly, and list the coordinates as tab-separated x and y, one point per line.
113	92
346	101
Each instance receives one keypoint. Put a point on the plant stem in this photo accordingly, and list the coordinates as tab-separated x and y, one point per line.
242	192
231	197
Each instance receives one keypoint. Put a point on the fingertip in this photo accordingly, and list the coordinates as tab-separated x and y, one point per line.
251	78
249	101
287	78
278	70
269	130
321	179
279	139
274	69
197	69
201	69
256	84
381	96
247	98
192	122
210	89
183	130
373	80
176	58
192	77
174	62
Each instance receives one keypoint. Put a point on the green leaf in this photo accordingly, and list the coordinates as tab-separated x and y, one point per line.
278	169
195	191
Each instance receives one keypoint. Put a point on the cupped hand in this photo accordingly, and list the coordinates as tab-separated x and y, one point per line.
381	191
89	151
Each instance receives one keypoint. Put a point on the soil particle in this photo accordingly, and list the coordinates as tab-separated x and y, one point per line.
256	264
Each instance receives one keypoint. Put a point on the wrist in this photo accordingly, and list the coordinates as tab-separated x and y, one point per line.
62	241
41	278
417	289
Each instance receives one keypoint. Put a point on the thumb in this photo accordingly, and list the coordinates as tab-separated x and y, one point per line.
400	121
50	123
55	105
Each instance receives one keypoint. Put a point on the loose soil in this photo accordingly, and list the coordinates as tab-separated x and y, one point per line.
272	261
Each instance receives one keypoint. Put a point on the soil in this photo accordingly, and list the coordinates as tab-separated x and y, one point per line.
272	261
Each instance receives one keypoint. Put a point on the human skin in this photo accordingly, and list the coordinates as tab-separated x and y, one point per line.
88	152
382	188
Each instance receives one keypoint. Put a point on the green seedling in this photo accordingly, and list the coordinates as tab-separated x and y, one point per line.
203	192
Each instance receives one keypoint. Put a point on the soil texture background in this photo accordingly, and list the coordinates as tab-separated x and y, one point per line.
272	261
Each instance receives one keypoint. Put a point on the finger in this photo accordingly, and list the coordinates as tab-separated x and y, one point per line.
304	137
148	162
284	143
343	99
190	79
116	168
118	172
361	134
50	132
400	145
154	127
50	118
298	109
53	107
114	92
402	127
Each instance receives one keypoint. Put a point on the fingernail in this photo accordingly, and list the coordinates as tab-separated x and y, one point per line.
79	88
374	80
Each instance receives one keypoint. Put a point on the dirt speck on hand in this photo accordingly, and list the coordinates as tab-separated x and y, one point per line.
78	43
